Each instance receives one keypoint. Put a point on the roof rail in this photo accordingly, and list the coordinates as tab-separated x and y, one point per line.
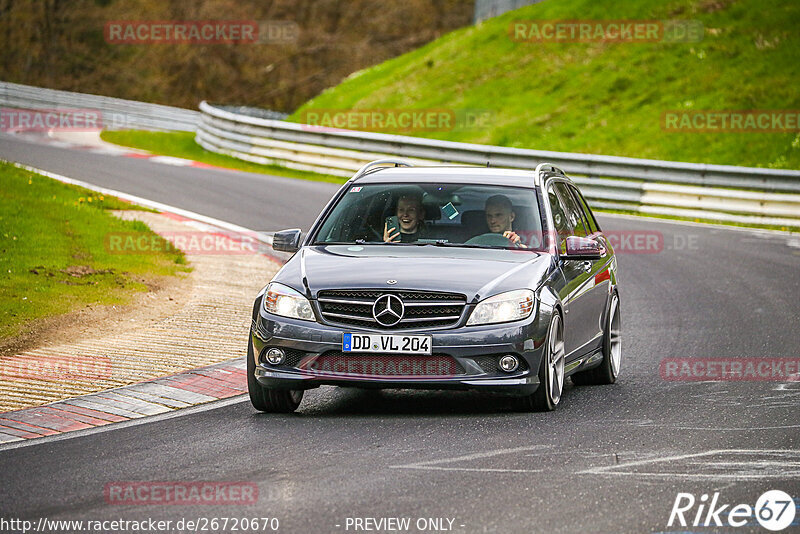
543	168
378	162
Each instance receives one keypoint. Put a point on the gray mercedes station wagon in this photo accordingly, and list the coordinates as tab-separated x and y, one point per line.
476	278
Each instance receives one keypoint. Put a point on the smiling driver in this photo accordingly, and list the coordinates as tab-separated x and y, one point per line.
499	216
410	215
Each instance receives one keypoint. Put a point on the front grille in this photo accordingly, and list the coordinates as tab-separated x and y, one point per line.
384	365
422	309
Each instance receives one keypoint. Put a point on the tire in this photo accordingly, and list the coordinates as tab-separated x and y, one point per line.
269	399
608	370
551	372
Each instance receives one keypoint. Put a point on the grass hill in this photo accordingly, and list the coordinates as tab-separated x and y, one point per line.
602	97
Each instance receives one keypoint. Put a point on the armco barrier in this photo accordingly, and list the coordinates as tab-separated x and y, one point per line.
720	192
116	113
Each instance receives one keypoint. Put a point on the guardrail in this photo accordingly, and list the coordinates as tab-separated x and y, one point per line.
116	113
719	192
486	9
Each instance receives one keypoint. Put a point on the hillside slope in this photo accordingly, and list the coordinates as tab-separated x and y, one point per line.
603	97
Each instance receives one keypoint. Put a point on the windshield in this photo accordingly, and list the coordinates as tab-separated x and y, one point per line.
462	215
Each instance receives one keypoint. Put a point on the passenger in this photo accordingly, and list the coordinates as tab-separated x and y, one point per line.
499	216
410	217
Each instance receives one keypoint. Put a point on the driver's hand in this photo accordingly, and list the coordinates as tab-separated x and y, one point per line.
514	238
390	237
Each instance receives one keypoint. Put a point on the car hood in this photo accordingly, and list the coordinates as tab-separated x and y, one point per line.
472	272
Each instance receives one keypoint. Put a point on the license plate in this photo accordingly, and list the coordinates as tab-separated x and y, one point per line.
386	343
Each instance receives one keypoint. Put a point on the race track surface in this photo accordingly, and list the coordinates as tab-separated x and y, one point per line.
609	459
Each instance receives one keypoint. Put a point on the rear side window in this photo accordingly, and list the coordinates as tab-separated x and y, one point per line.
587	213
573	212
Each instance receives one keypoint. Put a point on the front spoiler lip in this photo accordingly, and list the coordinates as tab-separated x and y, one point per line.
514	385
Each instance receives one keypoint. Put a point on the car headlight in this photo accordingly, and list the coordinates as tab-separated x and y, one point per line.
505	307
284	301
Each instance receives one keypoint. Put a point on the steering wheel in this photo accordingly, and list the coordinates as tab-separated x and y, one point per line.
377	234
490	239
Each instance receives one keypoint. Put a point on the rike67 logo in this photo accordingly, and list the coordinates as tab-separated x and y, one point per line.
775	510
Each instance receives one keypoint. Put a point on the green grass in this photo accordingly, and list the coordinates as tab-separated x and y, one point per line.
602	97
53	252
182	145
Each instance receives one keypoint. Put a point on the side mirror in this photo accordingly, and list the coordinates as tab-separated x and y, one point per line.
286	240
583	248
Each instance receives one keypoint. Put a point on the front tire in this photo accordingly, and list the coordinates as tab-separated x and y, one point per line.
551	372
269	399
608	370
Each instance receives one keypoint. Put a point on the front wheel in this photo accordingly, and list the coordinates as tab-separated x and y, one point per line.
608	370
551	372
269	399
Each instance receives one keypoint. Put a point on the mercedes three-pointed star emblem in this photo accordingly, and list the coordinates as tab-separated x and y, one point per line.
388	310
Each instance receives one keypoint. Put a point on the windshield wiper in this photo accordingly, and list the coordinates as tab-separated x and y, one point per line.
469	245
438	243
444	244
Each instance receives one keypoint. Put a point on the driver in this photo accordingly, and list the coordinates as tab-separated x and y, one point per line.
499	216
410	216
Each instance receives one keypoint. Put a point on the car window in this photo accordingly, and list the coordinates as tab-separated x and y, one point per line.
443	214
563	227
587	213
574	213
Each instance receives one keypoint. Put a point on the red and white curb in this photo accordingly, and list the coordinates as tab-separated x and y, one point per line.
166	160
152	397
144	399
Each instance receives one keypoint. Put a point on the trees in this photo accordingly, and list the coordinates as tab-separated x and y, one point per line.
59	44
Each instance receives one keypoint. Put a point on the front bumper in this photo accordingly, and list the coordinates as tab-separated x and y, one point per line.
471	348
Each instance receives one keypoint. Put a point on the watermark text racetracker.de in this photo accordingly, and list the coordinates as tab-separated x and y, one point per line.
430	367
730	369
204	32
731	121
606	31
395	120
180	493
44	120
75	368
15	120
627	241
190	242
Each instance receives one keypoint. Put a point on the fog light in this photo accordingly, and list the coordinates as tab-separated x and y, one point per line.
509	363
275	356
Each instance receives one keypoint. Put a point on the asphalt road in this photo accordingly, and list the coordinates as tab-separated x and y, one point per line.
609	459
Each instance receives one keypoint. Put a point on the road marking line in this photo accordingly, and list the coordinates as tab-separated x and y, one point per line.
476	469
785	459
435	465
